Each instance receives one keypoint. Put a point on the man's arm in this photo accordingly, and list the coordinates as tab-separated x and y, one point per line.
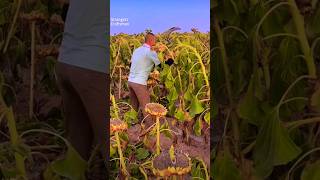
154	57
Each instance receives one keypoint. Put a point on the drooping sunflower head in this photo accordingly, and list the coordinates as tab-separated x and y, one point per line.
155	75
155	109
163	166
117	125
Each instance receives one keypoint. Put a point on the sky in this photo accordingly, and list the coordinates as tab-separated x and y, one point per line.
159	15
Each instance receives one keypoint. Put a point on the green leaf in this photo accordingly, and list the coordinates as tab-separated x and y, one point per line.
248	108
311	171
72	166
315	100
198	127
188	95
124	136
112	151
225	168
207	118
169	84
273	145
169	81
173	95
9	173
48	174
142	153
197	171
196	107
131	116
164	72
179	114
169	75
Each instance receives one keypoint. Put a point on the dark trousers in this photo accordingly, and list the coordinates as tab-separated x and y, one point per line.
84	95
139	96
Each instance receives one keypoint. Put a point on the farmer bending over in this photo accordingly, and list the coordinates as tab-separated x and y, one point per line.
142	62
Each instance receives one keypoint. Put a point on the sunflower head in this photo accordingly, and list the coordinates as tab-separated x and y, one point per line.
163	166
33	16
117	125
155	75
155	109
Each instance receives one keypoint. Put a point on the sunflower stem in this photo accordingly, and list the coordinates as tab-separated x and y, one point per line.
298	20
158	135
122	163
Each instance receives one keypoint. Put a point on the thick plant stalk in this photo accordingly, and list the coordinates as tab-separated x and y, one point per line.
158	135
11	30
115	62
235	123
181	90
224	58
33	28
299	25
115	107
122	164
119	86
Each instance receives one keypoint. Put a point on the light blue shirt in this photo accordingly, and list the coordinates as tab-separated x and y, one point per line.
142	61
85	43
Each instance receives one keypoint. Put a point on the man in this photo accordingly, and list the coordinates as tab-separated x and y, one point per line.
83	75
142	62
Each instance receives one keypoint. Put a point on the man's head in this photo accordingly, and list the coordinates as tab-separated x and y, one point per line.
150	39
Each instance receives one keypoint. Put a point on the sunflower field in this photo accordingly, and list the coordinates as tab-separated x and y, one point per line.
182	90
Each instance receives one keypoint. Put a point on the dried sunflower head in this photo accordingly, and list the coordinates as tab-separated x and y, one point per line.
151	82
163	166
155	109
155	75
33	16
117	125
47	50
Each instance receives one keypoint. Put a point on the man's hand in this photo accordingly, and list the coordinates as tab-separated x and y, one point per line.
169	61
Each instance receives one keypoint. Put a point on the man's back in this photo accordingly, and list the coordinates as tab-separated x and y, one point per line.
85	35
142	62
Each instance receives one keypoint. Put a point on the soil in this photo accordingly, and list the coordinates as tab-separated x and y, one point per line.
199	146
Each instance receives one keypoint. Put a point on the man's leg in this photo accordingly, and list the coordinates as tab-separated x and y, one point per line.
133	98
93	88
143	96
78	127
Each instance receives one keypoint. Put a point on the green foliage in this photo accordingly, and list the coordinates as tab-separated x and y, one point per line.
311	171
72	166
141	153
181	88
131	116
224	167
259	49
273	145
